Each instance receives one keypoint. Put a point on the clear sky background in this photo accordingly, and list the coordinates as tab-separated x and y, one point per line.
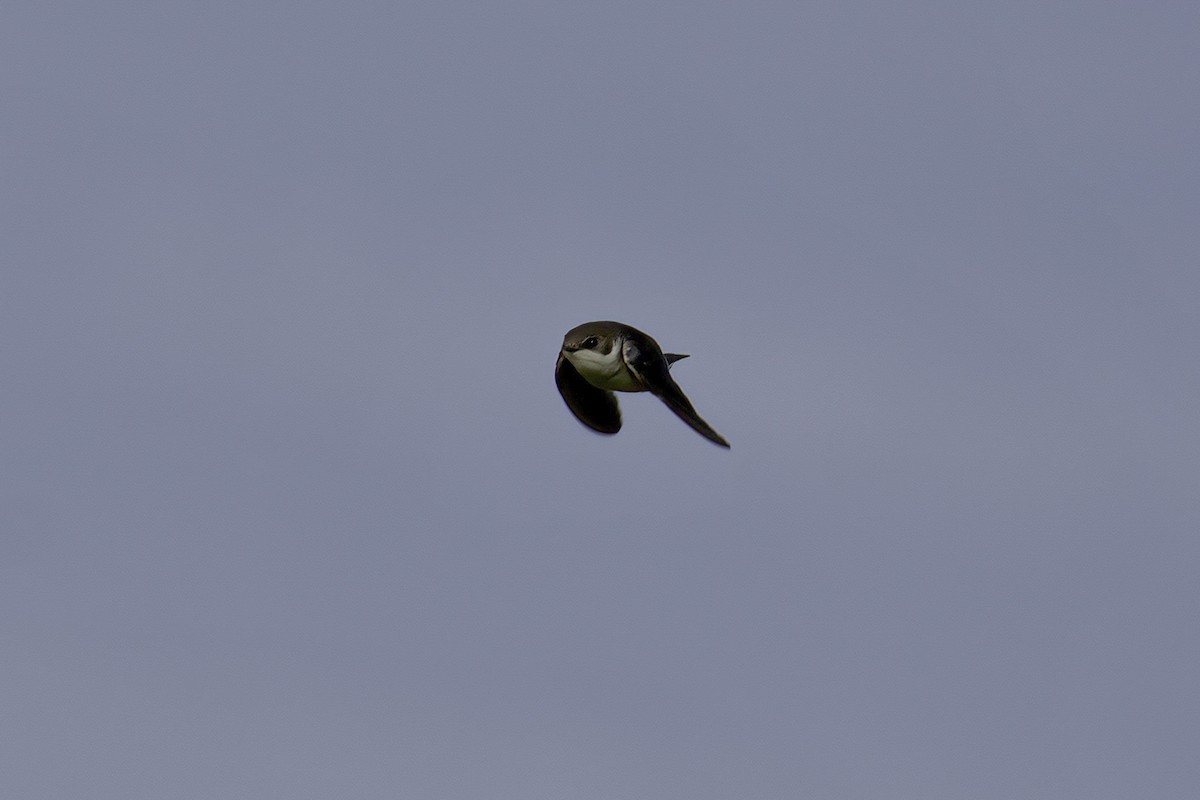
291	507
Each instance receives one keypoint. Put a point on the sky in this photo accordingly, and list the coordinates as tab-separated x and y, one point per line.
290	507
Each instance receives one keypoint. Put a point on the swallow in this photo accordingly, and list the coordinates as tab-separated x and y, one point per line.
599	358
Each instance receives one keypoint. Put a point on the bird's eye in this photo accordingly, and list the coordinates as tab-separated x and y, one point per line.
590	342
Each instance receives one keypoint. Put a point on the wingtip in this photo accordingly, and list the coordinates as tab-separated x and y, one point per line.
719	440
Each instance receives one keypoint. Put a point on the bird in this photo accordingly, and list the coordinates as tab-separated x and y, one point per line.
602	357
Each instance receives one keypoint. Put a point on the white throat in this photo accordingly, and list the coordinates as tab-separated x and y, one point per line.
604	370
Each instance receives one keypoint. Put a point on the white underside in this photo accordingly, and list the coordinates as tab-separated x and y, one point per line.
605	370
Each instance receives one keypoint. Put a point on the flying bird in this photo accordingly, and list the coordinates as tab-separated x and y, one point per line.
599	358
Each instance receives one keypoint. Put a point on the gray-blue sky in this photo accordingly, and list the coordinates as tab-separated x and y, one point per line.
291	507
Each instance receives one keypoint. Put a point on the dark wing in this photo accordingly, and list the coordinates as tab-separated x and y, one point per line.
594	407
651	370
